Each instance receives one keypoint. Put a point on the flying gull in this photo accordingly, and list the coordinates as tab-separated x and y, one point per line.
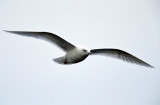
75	54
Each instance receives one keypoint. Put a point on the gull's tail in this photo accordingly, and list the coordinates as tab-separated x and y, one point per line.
60	60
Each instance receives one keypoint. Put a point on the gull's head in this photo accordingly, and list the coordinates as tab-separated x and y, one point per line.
83	50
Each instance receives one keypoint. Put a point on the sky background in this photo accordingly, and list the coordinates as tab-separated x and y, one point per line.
28	76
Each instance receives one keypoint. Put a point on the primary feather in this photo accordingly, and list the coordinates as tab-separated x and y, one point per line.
119	54
53	38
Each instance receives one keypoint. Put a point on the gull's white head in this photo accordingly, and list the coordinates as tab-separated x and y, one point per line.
83	50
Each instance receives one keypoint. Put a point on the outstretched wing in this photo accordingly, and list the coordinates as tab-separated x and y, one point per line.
53	38
119	54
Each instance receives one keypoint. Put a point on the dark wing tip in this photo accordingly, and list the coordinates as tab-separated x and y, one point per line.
146	65
150	66
5	30
9	31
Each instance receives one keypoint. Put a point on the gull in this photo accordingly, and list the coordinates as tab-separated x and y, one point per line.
75	54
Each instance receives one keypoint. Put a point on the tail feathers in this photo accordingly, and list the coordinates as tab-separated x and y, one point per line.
59	60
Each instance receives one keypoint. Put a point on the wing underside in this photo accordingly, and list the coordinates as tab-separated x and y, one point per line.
50	37
119	54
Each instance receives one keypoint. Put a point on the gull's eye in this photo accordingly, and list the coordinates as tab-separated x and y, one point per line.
84	50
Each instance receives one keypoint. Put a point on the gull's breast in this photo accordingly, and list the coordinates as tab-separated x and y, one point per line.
74	56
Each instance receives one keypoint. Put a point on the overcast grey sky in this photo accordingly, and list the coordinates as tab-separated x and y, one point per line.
28	76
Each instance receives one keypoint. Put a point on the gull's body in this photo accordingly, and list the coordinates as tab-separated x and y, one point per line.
75	54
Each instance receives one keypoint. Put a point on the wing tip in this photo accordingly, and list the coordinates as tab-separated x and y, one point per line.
7	31
146	65
150	66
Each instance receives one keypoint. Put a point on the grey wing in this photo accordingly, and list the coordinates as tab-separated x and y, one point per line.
53	38
122	55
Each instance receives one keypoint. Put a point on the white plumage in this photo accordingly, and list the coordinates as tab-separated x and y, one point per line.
75	54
